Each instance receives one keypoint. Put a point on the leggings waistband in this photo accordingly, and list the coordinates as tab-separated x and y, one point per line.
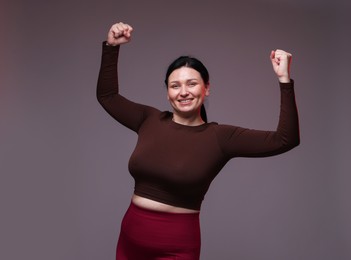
148	234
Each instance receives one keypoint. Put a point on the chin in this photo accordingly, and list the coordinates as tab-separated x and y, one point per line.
186	110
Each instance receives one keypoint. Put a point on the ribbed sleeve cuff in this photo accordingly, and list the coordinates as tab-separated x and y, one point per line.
287	85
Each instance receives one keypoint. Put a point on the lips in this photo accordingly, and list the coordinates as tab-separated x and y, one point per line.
185	101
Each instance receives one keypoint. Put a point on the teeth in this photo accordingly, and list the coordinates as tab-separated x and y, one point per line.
185	100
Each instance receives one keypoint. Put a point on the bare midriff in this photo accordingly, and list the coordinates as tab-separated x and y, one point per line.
158	206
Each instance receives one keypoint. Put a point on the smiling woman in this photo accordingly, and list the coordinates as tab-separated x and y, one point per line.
186	94
171	178
193	73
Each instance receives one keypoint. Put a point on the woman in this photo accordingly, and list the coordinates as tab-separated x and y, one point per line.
178	153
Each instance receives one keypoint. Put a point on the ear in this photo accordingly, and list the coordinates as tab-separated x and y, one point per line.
207	90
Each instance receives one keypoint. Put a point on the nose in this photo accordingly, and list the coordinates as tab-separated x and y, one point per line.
184	91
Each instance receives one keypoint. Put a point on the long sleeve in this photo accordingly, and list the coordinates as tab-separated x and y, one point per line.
126	112
243	142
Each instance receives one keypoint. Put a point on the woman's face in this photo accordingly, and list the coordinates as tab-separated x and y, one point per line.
186	92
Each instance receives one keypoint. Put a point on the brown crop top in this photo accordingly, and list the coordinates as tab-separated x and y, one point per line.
175	164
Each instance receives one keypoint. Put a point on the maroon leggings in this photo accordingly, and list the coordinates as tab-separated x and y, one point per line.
153	235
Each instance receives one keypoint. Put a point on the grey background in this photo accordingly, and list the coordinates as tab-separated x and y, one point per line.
63	161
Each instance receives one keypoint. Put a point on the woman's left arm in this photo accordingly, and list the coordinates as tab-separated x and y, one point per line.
243	142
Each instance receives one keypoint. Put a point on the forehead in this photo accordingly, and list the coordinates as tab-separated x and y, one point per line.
184	73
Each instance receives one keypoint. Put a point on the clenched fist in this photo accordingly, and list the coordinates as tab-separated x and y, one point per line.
119	33
281	64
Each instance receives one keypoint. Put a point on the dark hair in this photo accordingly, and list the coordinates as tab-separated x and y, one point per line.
190	62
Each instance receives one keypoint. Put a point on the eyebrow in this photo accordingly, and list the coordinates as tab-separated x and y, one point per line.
176	81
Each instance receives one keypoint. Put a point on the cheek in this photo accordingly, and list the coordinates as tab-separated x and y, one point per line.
170	95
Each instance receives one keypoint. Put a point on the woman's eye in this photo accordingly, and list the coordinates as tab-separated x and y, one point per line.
174	86
192	84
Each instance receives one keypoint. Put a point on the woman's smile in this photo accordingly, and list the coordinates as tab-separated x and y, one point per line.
186	101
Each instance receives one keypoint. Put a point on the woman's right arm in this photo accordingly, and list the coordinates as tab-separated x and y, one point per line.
126	112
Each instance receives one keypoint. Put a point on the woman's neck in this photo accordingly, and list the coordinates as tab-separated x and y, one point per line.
190	121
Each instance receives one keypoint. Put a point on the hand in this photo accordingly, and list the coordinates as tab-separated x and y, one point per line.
281	61
119	33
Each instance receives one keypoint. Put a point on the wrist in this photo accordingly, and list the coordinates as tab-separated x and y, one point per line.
284	79
111	45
